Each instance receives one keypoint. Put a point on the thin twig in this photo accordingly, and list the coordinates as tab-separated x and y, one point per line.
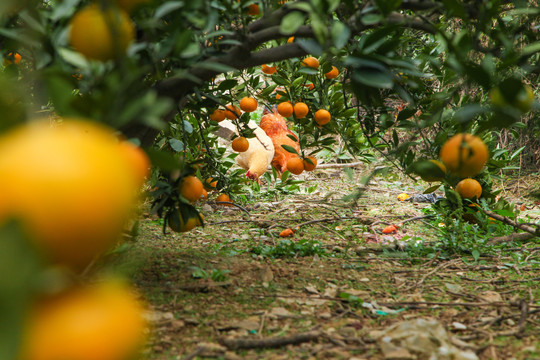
495	281
237	221
400	303
272	342
437	269
519	237
507	220
341	165
195	353
230	203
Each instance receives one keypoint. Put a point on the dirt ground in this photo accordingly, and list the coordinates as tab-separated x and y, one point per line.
338	288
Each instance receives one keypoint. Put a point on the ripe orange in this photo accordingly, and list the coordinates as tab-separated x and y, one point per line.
71	186
390	229
12	59
248	104
464	154
332	74
211	183
286	233
253	10
310	86
310	166
311	62
98	322
240	144
217	115
111	32
322	117
300	110
204	194
469	189
224	197
432	178
191	188
230	112
177	224
295	165
269	70
129	5
285	109
290	40
278	96
138	159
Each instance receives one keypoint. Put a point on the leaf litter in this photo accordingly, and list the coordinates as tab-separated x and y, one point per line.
355	293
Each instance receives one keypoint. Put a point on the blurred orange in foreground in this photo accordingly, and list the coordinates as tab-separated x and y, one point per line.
138	159
99	322
71	186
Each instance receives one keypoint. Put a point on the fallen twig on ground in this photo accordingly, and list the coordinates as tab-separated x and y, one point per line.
497	281
203	286
512	237
273	342
528	229
195	353
402	303
230	203
402	221
339	166
435	270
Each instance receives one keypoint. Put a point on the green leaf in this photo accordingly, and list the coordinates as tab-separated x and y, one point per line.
19	266
406	114
426	168
163	160
227	84
167	8
308	71
340	34
279	80
73	58
214	66
371	19
292	137
374	78
290	149
298	81
291	22
176	145
468	112
310	46
319	28
431	189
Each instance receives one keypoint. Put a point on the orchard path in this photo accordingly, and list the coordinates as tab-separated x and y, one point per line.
235	290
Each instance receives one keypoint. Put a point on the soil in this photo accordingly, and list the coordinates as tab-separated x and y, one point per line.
234	289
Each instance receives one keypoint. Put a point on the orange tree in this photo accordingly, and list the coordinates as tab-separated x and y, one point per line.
399	76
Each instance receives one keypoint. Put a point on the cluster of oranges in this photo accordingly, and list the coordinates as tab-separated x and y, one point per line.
12	59
463	155
72	185
247	104
297	165
301	109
